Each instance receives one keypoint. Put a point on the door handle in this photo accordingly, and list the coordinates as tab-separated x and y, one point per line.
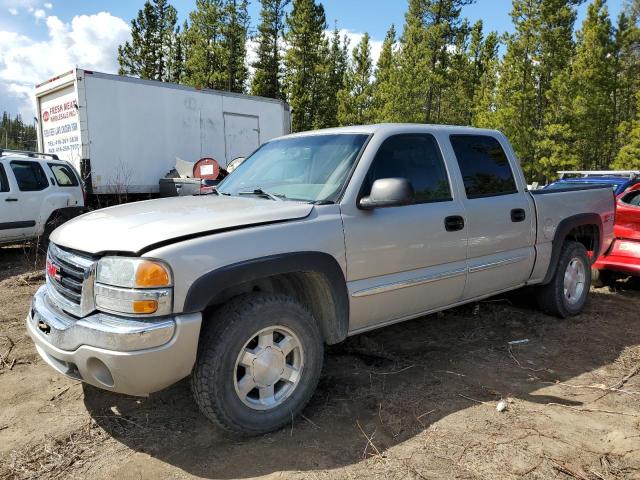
10	199
453	223
518	215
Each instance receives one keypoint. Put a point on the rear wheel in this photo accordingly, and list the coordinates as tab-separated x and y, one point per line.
258	364
566	294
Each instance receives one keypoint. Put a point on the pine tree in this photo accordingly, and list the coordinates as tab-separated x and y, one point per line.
14	133
383	74
593	86
175	63
484	103
306	63
355	100
204	39
234	44
152	35
410	76
628	157
336	64
442	28
267	79
516	96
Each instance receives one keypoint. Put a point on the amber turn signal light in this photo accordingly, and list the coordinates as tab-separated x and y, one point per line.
144	306
152	275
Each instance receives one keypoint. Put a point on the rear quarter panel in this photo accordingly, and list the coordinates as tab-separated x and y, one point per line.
552	207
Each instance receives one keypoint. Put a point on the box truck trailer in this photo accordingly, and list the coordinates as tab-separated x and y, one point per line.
123	134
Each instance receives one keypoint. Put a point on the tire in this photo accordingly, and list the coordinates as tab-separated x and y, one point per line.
221	383
552	297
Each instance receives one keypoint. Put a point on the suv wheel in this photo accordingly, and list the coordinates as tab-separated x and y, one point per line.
566	294
259	362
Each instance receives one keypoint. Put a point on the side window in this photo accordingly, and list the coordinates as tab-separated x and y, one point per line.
30	176
484	166
632	198
417	158
4	183
63	174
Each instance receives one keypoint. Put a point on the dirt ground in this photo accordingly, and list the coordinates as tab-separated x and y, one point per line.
415	400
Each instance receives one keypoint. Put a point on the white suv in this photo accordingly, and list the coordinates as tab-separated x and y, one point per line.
37	193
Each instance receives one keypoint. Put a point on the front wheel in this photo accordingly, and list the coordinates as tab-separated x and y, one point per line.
258	364
566	294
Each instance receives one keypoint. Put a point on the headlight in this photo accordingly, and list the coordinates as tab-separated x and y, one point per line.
133	286
133	273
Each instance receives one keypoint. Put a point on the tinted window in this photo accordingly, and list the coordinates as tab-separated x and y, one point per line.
30	176
64	175
417	158
632	198
484	166
4	183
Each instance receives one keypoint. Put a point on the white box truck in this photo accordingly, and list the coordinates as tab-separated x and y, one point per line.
123	134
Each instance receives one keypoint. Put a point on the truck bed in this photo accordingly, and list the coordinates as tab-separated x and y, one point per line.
553	206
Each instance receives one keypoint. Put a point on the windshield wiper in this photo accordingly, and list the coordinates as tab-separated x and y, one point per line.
262	193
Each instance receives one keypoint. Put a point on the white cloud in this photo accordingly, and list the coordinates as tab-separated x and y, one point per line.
48	6
88	41
39	14
13	11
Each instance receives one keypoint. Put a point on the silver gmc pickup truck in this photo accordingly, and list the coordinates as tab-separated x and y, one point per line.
315	237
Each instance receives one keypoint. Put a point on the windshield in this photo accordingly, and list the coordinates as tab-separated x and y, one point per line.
579	185
311	168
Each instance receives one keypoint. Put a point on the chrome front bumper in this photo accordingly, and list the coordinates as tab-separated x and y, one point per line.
124	355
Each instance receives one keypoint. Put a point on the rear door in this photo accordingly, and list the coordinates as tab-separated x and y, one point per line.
242	135
500	216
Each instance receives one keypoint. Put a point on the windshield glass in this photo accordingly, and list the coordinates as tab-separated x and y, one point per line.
578	185
311	168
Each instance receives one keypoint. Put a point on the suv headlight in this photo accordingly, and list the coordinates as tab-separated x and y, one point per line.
133	286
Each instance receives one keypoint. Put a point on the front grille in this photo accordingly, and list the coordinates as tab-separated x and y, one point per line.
68	275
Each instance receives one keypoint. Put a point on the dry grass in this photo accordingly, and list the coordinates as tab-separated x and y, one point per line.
56	457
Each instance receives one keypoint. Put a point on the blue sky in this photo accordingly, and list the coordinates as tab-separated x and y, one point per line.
42	38
373	16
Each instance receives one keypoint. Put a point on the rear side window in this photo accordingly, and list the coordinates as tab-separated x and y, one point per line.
64	175
484	166
30	176
417	158
4	183
632	198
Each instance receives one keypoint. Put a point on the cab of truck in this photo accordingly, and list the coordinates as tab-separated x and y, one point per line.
38	193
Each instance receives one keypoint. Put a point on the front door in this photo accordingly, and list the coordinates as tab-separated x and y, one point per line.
500	217
11	223
27	181
404	261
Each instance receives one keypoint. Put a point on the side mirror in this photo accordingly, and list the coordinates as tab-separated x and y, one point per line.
388	192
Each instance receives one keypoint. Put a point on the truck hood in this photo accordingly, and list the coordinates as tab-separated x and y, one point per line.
134	226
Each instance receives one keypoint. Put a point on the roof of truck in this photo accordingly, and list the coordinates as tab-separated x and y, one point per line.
391	127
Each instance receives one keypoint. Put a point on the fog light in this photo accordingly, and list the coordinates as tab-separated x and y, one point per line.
145	306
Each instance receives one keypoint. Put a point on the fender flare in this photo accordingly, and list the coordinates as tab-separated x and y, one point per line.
562	231
204	291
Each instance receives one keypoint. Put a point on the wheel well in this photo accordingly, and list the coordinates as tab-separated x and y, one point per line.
587	235
311	289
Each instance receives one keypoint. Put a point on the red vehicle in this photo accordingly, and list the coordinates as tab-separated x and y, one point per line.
624	255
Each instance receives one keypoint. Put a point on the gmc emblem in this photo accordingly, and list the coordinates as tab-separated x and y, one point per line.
53	270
